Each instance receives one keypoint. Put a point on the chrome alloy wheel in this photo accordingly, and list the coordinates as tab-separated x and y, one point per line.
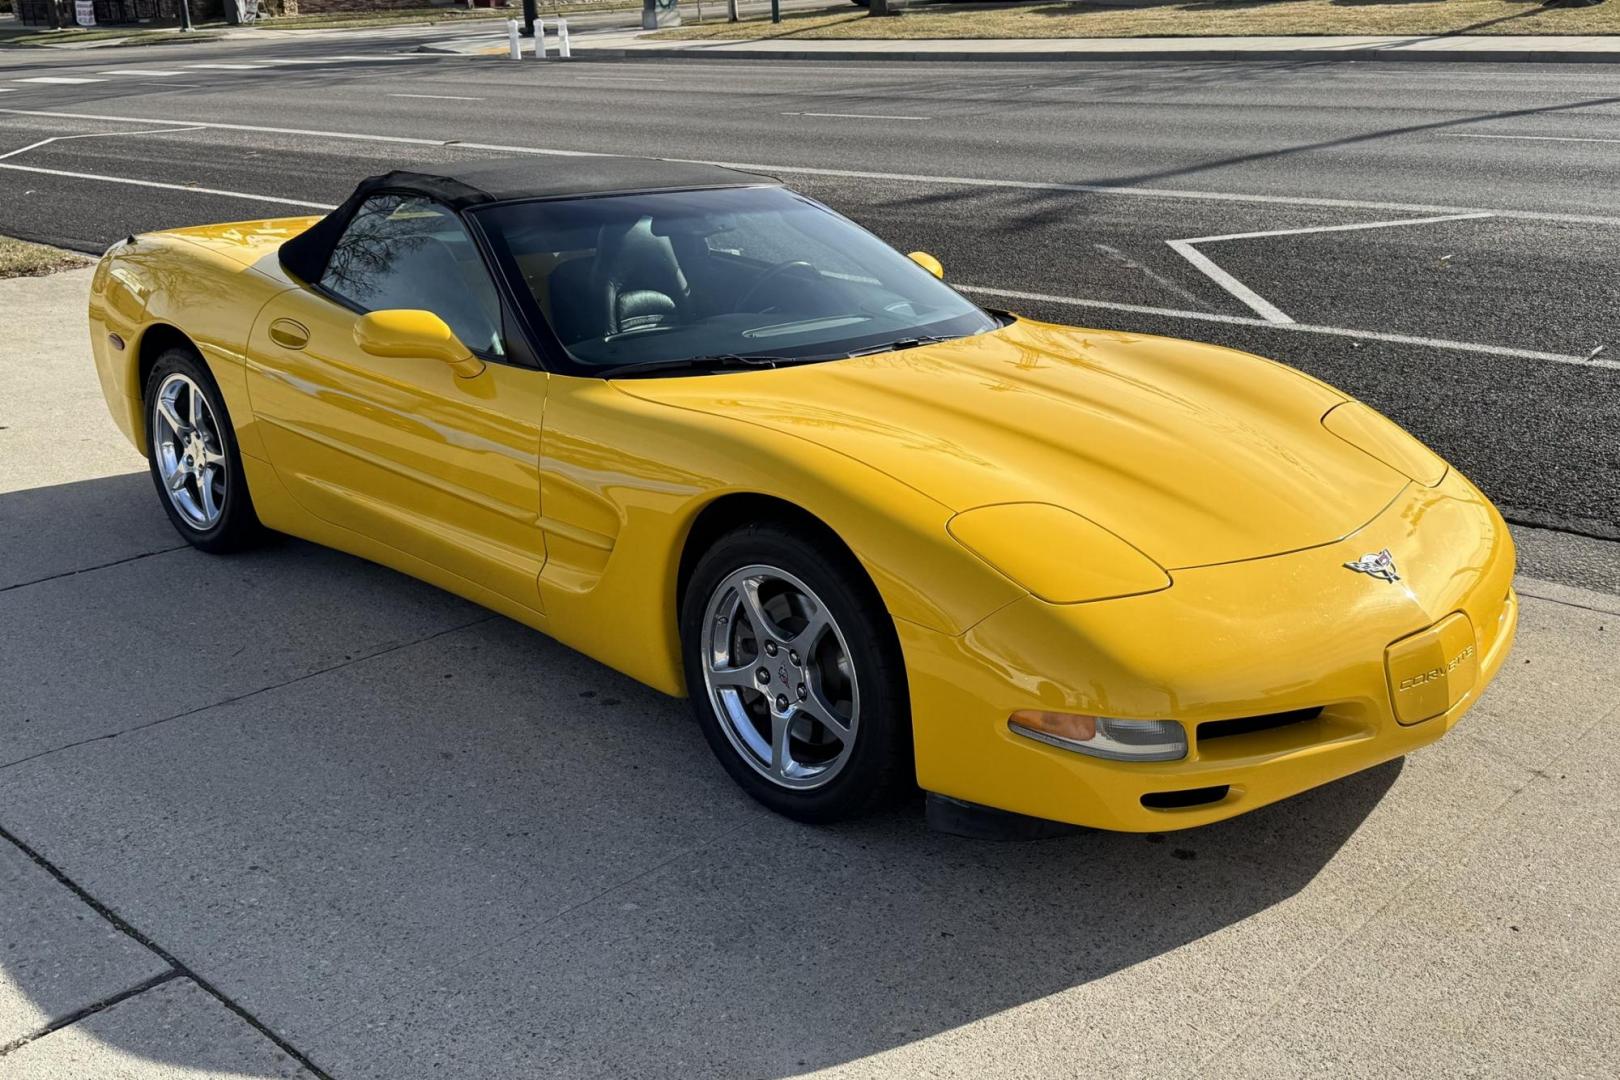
190	453
779	675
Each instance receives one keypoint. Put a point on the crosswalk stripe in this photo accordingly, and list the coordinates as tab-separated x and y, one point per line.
139	71
227	67
62	80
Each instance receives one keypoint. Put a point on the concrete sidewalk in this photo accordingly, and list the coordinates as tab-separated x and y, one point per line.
1531	48
287	814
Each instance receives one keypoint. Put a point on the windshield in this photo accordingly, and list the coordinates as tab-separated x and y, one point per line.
756	274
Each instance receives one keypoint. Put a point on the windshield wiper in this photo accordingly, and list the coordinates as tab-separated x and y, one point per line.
719	362
906	343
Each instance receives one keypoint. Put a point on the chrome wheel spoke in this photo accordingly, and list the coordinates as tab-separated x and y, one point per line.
805	641
165	409
781	755
198	406
754	608
820	709
742	678
205	492
177	479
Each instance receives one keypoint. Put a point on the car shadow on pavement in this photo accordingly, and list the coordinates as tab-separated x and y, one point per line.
414	839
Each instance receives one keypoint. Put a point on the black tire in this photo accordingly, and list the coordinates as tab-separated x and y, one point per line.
880	766
237	526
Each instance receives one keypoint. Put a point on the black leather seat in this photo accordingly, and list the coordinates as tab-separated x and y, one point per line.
633	282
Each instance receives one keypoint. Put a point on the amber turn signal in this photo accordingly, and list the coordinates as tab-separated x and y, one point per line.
1103	736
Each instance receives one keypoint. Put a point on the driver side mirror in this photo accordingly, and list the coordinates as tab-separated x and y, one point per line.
928	263
405	333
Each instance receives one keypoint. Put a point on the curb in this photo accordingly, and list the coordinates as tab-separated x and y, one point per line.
1527	56
441	48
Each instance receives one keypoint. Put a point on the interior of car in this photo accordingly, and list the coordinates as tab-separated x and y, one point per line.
728	271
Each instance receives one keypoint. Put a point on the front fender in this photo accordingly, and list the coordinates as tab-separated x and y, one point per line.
623	479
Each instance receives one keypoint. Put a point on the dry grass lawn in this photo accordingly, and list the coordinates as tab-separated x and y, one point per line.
1195	19
18	258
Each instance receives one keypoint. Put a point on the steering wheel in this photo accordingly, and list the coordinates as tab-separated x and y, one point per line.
769	276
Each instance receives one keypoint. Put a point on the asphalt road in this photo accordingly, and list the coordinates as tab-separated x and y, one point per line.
1474	300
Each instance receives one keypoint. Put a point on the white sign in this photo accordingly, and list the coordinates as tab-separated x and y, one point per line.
84	12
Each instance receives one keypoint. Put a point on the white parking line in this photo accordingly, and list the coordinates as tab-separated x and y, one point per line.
1253	300
865	174
59	80
1525	138
439	97
139	71
1303	328
89	135
193	189
227	67
1259	304
1352	227
856	116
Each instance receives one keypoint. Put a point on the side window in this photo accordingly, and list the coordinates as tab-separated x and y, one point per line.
400	252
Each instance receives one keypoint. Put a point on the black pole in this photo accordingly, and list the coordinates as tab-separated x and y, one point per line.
185	15
529	15
776	10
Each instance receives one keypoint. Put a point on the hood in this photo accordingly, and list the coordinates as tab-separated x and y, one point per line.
1193	453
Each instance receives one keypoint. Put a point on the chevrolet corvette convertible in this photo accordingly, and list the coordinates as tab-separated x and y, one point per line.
719	437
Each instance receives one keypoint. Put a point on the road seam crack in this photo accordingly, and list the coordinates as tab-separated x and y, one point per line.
90	1010
177	968
93	569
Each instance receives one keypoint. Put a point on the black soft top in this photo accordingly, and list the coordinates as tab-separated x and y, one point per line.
459	185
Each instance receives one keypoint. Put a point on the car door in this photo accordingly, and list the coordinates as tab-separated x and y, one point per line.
439	461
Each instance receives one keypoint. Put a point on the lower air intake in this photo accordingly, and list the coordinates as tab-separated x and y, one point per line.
1180	800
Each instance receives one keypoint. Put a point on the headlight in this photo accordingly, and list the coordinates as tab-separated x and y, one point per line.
1056	554
1380	437
1103	736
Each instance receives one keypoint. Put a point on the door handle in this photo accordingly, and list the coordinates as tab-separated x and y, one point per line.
289	334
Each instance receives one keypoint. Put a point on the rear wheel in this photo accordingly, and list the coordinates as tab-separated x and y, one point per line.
795	675
192	450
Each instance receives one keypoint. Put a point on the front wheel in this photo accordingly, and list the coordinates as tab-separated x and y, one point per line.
795	674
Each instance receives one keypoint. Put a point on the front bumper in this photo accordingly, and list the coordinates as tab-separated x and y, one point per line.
1293	633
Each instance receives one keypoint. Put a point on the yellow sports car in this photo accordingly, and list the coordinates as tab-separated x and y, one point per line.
724	440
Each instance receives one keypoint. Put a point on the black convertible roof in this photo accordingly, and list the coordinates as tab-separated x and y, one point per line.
469	183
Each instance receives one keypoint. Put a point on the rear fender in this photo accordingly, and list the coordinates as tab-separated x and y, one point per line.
148	290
